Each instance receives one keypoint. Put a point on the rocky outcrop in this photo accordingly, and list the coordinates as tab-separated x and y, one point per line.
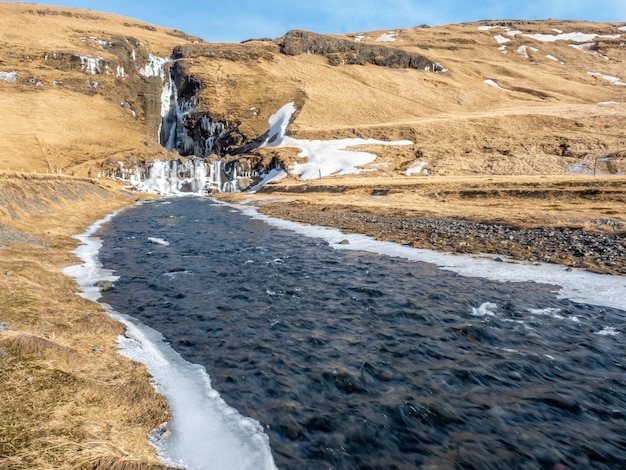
345	52
121	68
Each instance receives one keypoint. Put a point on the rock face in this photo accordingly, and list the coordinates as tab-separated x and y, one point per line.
128	64
345	52
108	89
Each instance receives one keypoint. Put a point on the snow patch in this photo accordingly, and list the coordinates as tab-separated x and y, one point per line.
387	37
573	37
501	39
204	432
359	38
622	28
608	78
589	48
487	27
523	50
96	42
493	83
608	103
551	57
273	175
10	77
325	157
418	168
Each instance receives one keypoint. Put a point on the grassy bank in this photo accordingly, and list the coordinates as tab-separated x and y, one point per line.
69	399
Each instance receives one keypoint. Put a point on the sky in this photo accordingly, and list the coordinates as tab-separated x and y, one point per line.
238	20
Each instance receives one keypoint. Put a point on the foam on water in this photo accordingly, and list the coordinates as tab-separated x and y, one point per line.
204	433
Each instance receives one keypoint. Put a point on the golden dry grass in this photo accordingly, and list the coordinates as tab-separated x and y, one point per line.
69	399
593	204
550	118
53	120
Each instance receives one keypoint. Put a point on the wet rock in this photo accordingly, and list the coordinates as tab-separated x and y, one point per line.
104	285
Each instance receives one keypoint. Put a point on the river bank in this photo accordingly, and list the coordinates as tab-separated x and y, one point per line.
575	221
75	402
70	400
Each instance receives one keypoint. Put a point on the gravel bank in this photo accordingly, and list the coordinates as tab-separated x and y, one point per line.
595	251
11	236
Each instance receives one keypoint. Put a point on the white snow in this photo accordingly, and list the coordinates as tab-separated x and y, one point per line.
273	175
359	38
574	37
523	50
324	157
90	65
513	33
387	37
608	103
589	48
204	432
501	39
154	67
622	28
486	27
418	168
551	57
577	285
608	78
9	76
493	83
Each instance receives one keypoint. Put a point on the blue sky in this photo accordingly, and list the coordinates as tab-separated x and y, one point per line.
238	20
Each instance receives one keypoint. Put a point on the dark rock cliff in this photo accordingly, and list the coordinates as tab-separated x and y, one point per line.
345	52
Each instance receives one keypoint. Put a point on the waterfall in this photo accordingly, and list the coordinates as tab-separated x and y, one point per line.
220	180
178	100
173	177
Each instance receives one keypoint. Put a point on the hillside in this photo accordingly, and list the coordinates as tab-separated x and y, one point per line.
517	148
509	97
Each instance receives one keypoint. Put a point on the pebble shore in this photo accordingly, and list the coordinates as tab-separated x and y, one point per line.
602	251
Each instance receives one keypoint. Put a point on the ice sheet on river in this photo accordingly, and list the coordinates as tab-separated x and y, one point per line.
204	433
577	285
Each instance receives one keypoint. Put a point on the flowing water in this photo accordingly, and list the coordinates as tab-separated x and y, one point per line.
355	360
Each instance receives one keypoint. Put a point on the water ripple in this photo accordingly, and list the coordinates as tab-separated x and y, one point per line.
355	360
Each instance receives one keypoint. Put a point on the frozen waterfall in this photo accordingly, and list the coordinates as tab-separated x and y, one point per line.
172	177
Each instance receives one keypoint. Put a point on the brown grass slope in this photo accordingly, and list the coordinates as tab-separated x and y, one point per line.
549	117
69	400
56	116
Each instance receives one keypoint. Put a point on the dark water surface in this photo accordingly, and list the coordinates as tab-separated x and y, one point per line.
352	360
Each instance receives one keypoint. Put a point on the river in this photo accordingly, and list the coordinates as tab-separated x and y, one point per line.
352	359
